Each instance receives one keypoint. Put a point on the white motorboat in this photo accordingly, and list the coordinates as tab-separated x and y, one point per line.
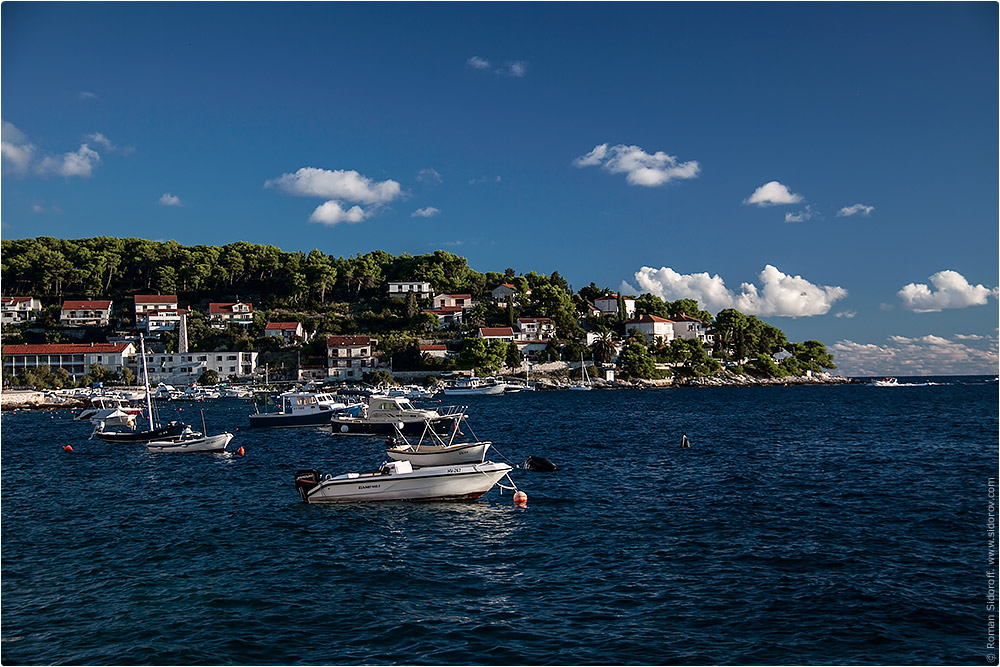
387	414
300	408
398	480
885	382
110	410
474	386
196	443
432	450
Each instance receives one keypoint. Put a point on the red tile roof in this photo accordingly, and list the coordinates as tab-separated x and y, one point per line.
445	309
16	299
428	348
155	298
226	307
86	305
67	348
496	332
646	319
282	325
536	320
349	341
455	296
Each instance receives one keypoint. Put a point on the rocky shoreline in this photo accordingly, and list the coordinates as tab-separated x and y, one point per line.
18	399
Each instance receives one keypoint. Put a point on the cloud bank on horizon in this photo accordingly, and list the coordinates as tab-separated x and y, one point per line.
780	294
921	356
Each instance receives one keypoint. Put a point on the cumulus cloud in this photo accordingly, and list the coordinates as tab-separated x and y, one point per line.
640	167
857	209
780	294
773	194
516	69
338	184
951	290
21	156
475	62
80	162
428	212
924	355
167	199
332	213
800	216
429	176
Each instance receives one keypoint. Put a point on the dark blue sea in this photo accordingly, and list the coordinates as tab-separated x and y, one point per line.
805	525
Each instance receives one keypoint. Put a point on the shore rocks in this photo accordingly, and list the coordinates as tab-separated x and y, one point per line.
38	400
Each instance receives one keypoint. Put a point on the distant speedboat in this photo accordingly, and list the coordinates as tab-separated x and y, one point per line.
398	480
885	382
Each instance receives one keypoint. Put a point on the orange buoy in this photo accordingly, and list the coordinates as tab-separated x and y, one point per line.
67	448
240	451
521	498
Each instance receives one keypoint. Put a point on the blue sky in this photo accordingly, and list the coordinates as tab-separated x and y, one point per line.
829	167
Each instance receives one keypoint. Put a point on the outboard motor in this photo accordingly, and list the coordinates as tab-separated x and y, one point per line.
539	464
306	481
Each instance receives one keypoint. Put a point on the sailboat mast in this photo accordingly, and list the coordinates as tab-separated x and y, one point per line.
145	381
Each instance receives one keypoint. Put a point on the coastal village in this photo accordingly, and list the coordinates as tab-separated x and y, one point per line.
547	335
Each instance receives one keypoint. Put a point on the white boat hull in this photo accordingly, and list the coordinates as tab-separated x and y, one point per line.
212	443
459	482
489	390
423	456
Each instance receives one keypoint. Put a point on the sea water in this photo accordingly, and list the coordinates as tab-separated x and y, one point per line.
805	524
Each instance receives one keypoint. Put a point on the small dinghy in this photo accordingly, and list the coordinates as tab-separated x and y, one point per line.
398	480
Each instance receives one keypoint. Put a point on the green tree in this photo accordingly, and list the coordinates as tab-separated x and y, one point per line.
650	304
636	362
209	377
604	348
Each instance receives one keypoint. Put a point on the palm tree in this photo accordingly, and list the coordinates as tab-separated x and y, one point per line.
604	348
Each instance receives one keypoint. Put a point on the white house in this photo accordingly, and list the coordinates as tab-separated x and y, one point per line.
447	315
689	327
76	358
608	305
653	327
187	367
221	315
284	329
400	289
535	328
18	309
497	333
157	312
435	350
454	300
350	357
85	313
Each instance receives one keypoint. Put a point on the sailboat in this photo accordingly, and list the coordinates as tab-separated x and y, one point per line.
193	441
584	383
174	430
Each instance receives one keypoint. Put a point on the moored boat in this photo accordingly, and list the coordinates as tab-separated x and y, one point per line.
474	386
196	443
302	408
398	480
385	414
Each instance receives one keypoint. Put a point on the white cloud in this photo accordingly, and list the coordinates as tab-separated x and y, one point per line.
516	69
21	156
167	199
339	184
332	213
80	162
428	212
925	355
781	295
952	291
800	216
475	62
484	179
429	176
640	167
773	194
847	314
857	209
87	95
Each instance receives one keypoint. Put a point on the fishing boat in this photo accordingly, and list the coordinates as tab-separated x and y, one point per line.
584	383
300	408
474	386
399	480
193	441
385	415
433	450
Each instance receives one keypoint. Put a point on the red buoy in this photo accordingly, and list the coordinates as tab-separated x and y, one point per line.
240	451
521	498
67	448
